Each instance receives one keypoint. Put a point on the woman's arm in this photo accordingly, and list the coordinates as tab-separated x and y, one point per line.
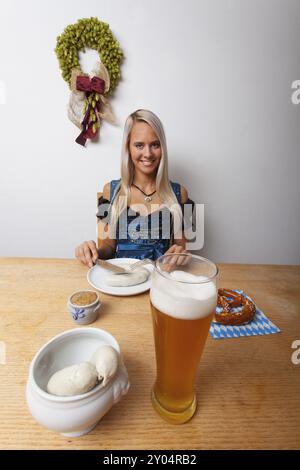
107	246
179	238
87	252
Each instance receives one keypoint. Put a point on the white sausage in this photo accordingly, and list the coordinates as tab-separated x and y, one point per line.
106	360
73	380
125	280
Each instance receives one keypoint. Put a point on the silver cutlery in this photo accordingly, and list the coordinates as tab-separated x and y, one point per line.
119	270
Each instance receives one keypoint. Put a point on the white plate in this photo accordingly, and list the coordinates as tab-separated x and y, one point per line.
96	277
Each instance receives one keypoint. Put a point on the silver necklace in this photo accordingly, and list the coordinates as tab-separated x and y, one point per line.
147	197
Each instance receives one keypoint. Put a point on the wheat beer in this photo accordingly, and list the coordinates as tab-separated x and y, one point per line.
182	303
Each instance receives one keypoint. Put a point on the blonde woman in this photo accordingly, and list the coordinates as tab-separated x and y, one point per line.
141	214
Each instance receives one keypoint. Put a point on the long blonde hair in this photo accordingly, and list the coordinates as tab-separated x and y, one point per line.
163	187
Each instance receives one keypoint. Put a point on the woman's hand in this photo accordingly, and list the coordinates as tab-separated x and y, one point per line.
87	253
176	249
177	260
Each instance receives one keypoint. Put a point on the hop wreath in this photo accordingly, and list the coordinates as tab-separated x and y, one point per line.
88	104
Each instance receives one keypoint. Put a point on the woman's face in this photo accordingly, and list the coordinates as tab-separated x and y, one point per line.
144	148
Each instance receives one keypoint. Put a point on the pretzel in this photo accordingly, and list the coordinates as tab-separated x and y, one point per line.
226	317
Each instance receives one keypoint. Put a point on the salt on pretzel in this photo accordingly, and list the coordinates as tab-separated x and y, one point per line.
226	317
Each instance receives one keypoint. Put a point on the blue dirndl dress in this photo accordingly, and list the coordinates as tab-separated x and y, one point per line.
146	240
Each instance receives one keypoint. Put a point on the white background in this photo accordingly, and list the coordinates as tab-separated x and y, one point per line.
218	73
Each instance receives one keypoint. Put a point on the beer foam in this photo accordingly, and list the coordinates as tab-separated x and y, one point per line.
176	298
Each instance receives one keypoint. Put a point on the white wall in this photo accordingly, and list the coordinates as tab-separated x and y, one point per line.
219	75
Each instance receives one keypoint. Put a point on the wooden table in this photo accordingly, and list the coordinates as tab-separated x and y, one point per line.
248	389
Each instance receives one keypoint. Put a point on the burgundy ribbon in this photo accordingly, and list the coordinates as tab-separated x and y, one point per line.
89	86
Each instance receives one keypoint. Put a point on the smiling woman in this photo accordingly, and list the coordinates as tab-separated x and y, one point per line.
141	214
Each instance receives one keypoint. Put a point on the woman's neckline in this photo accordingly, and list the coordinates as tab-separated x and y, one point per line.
136	212
150	213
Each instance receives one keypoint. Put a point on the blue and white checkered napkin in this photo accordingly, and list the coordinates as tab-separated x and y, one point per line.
260	325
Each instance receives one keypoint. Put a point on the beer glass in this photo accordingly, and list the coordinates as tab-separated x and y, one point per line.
183	298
